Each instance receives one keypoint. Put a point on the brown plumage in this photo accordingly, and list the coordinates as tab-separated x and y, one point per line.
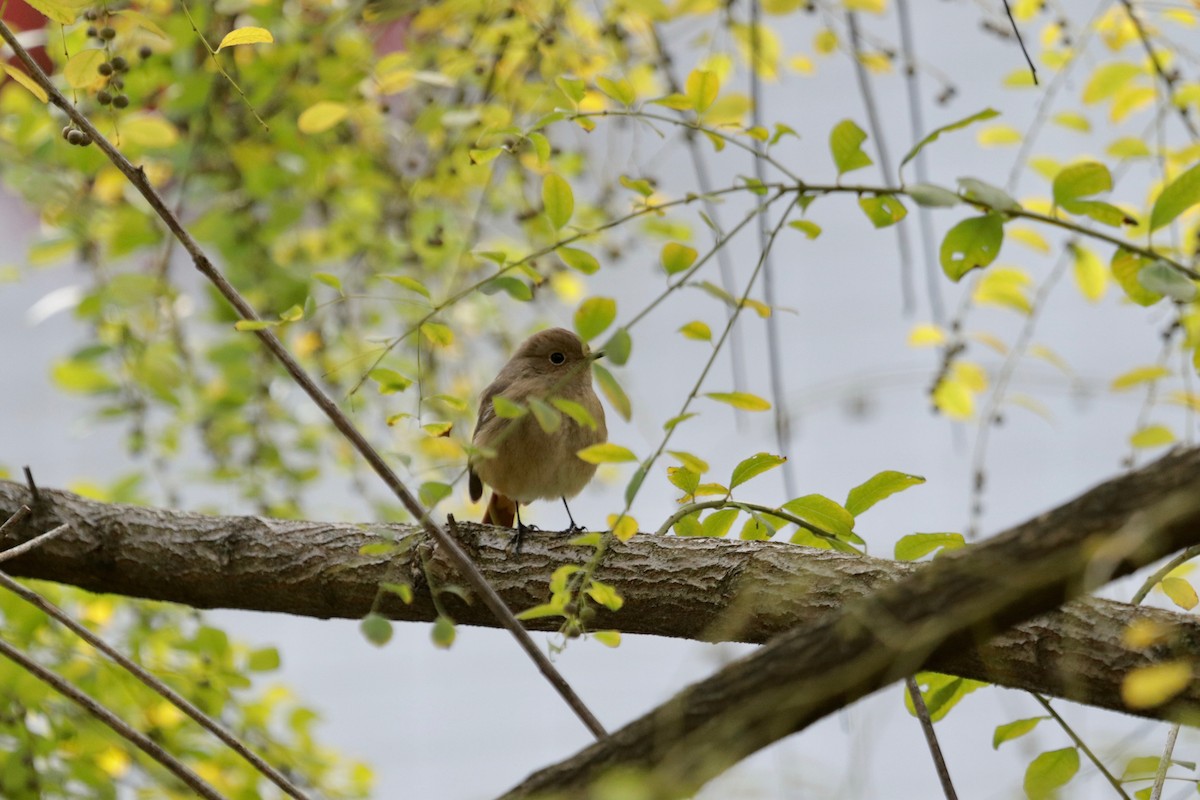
523	462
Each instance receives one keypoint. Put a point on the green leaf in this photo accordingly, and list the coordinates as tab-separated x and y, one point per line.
613	391
879	486
606	453
883	210
390	381
1014	730
822	513
1127	268
620	90
593	316
932	136
1178	196
558	199
402	590
717	524
1049	772
972	243
577	259
639	185
377	629
991	196
515	288
1080	180
443	632
618	347
845	143
265	659
941	693
931	196
1161	278
412	284
688	526
694	463
677	257
810	229
573	88
916	546
255	324
551	609
321	116
433	492
683	479
754	466
81	377
632	488
548	419
330	280
438	334
575	411
740	400
607	638
508	409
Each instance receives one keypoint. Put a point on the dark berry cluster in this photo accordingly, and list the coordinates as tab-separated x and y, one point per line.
114	68
75	136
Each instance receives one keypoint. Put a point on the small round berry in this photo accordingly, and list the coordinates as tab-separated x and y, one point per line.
144	51
91	32
117	83
120	64
107	33
90	15
105	68
120	101
75	137
103	97
87	139
66	131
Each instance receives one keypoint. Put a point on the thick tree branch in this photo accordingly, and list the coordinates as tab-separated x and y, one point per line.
707	589
959	600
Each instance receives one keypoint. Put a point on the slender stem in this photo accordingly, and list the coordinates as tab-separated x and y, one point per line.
782	413
691	508
935	750
1167	80
36	541
217	63
20	514
1160	777
1020	41
180	702
1087	751
1162	572
457	555
89	704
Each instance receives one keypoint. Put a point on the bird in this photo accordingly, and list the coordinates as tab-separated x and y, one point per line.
519	459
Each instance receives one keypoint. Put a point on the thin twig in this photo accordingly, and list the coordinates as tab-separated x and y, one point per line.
912	83
89	704
1160	777
36	541
908	301
783	420
1167	80
32	486
1020	41
1087	751
1162	572
457	555
20	514
692	508
180	702
935	750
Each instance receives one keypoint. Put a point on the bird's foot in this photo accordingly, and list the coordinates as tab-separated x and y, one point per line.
522	529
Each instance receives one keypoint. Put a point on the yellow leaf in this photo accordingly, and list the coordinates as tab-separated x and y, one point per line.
998	136
248	35
1028	237
623	526
1091	276
1180	591
741	400
321	116
825	42
607	638
1152	686
607	453
1139	375
926	335
954	400
991	340
114	762
26	81
81	70
870	6
702	89
971	375
149	130
1143	633
1152	436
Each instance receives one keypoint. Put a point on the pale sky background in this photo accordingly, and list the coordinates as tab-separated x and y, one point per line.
471	722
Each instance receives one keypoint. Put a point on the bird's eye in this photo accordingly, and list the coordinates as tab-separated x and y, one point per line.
557	358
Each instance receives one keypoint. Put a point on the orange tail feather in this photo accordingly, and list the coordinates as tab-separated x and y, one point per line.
501	511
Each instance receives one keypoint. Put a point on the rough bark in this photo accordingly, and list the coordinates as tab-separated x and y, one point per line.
946	607
708	589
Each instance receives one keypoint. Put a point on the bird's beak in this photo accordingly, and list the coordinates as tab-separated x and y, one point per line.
599	354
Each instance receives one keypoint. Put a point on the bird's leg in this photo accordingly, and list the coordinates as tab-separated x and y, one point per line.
522	529
574	525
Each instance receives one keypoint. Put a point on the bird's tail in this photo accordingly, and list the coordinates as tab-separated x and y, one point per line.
501	511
